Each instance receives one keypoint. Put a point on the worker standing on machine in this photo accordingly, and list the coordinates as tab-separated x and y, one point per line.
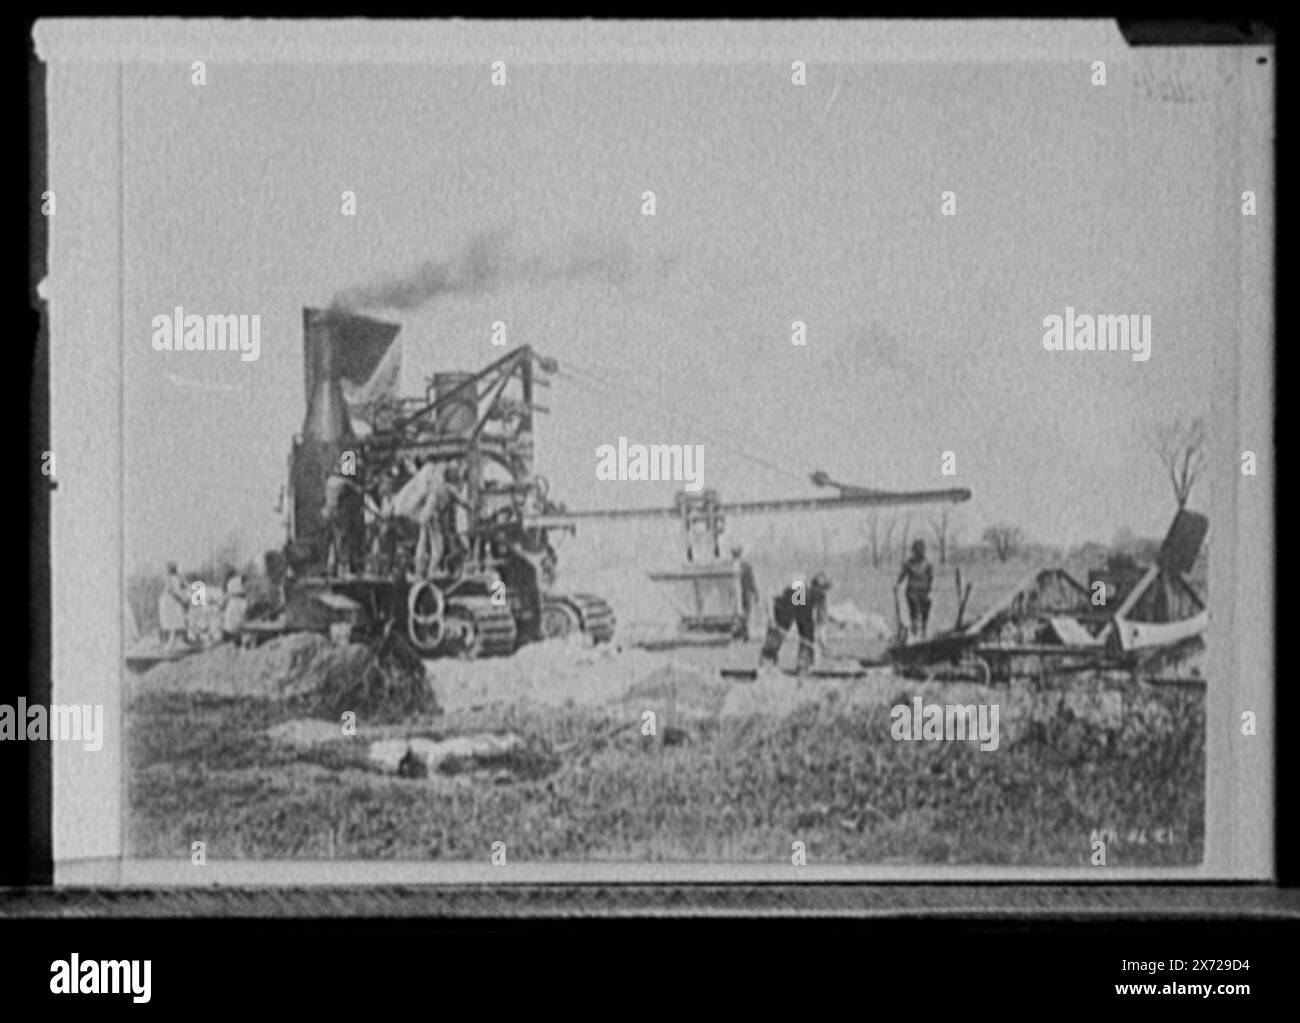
409	504
379	525
435	511
342	501
448	502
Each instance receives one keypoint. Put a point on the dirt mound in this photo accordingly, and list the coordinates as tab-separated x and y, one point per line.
556	673
387	683
277	669
563	674
679	689
333	679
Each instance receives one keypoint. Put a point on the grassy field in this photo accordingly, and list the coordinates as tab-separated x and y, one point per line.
734	787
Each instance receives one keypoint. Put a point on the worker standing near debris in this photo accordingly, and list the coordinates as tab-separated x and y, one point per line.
173	602
748	590
919	574
804	607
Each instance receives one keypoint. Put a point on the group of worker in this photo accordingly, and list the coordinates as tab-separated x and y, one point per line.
217	617
435	504
431	498
803	605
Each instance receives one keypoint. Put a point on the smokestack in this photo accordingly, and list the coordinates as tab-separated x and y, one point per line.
327	417
326	431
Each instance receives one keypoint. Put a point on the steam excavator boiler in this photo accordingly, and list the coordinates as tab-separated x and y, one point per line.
490	595
496	589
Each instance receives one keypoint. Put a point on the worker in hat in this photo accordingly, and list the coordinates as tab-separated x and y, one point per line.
748	590
804	606
918	573
173	603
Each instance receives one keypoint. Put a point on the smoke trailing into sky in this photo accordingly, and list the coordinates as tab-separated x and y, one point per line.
487	262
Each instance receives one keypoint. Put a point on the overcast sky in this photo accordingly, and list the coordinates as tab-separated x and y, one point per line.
774	203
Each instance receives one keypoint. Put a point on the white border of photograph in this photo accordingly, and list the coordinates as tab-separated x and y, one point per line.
86	125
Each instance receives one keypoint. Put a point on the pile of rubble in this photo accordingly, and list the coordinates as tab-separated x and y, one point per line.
301	666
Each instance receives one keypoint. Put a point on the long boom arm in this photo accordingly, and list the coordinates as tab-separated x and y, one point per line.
849	498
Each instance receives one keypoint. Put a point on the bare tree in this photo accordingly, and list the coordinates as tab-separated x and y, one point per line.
1180	446
891	524
1004	539
873	536
902	544
939	526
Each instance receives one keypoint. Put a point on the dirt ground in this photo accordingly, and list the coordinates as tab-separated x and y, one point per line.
548	750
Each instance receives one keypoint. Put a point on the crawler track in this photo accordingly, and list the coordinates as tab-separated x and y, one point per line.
596	615
491	627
